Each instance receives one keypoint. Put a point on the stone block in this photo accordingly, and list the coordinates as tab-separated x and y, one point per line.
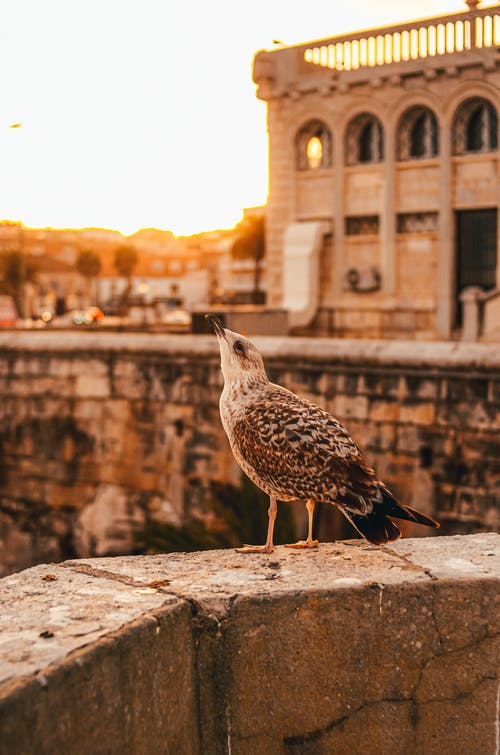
384	411
422	388
418	413
30	365
88	671
89	410
468	390
478	415
366	433
387	386
92	386
345	407
386	435
108	524
129	380
88	366
39	386
60	366
351	383
409	438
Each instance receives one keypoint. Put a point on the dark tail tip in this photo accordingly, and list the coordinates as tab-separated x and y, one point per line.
377	528
392	507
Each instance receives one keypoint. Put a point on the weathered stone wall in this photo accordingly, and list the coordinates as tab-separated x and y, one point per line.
346	649
104	437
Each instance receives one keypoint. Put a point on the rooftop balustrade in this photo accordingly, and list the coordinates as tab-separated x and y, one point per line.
457	38
429	37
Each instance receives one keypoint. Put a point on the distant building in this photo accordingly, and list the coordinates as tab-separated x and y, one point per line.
155	276
198	268
385	177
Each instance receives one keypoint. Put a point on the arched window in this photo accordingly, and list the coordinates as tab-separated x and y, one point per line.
314	147
475	127
364	140
418	134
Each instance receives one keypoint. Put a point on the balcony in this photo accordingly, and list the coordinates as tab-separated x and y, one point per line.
448	41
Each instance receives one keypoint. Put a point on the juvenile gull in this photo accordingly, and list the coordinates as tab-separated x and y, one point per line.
291	449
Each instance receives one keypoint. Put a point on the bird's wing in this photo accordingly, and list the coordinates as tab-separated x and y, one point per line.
303	452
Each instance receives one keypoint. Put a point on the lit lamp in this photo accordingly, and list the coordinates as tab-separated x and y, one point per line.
314	153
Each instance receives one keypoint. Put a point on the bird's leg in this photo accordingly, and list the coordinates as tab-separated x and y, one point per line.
268	547
309	543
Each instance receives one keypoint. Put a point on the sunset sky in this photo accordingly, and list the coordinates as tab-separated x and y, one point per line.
144	113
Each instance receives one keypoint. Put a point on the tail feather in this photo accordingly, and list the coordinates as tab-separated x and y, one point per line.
392	507
377	527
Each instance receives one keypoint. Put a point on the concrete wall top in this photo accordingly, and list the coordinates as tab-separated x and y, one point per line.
49	611
219	652
433	354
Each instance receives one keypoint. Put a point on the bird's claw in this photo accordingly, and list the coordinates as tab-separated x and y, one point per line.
301	544
255	549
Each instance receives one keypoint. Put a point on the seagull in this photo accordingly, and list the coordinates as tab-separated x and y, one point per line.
294	450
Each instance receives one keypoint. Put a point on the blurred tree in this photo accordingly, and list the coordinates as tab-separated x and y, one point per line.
250	244
126	259
88	264
17	269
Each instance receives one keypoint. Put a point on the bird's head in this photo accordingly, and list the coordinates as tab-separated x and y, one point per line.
240	360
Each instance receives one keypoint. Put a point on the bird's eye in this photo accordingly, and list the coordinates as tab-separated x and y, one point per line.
238	347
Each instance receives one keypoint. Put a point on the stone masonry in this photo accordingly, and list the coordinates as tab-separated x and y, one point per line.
346	649
102	435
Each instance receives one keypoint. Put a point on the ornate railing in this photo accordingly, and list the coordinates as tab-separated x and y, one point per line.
468	30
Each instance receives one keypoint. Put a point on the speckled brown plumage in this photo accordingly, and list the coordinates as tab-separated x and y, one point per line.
297	450
293	449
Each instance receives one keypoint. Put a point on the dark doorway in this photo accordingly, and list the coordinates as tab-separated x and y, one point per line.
476	243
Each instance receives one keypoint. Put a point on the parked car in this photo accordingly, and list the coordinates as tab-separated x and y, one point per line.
86	317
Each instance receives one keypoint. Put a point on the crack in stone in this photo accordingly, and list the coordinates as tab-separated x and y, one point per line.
155	586
313	736
298	740
468	646
408	565
434	616
101	574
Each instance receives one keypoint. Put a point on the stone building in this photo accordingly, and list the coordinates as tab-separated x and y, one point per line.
384	177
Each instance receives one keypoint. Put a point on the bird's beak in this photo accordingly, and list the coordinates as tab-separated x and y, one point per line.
216	324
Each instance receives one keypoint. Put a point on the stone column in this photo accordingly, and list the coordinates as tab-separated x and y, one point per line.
445	283
388	217
338	216
470	298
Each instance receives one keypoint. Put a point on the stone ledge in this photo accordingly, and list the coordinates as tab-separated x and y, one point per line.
347	648
433	354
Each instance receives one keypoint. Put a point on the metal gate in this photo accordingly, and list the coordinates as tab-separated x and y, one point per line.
476	243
